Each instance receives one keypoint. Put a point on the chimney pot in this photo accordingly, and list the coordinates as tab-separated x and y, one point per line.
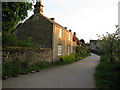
70	30
52	19
74	33
65	27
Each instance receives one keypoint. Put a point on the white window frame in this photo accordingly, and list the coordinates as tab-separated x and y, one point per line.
68	49
59	50
60	33
69	38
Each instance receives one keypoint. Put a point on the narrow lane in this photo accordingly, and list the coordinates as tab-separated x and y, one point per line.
76	75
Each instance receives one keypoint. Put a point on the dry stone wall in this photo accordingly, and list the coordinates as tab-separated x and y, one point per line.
32	54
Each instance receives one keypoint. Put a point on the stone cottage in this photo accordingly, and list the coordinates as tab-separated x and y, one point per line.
47	33
94	45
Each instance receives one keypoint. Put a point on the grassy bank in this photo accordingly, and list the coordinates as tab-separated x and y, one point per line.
107	75
16	67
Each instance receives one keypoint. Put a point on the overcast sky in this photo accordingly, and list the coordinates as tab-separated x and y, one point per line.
85	17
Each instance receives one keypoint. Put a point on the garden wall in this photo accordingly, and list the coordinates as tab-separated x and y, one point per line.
23	53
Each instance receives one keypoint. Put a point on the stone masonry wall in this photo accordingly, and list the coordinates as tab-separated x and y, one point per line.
37	27
32	54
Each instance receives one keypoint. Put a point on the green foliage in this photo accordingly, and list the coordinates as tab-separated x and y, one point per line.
10	40
107	75
24	66
78	56
29	42
110	44
81	50
107	43
16	67
67	58
40	65
13	13
11	68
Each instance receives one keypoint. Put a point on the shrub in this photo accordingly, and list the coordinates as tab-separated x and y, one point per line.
39	65
11	68
24	66
81	50
16	67
67	58
10	40
78	56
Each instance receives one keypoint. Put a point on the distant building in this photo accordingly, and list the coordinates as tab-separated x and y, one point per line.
87	45
94	45
48	33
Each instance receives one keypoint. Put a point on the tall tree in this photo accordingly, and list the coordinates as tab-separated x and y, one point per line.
13	13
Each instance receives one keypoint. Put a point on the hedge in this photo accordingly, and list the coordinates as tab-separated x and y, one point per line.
67	58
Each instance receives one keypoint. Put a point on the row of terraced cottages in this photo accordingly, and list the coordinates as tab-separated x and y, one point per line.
47	33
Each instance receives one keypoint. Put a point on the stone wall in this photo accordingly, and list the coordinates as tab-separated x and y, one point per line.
32	54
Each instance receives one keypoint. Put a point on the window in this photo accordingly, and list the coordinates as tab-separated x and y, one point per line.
60	33
73	49
59	50
95	43
69	37
68	49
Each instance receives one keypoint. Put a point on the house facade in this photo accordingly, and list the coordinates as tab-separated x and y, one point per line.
47	33
94	45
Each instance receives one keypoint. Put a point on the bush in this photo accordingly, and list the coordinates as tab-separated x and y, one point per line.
10	40
67	58
21	67
24	66
78	56
10	68
16	67
39	65
81	49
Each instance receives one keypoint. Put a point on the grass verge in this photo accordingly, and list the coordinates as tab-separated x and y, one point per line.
107	75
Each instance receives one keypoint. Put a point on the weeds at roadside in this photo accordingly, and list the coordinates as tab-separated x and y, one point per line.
107	75
16	67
